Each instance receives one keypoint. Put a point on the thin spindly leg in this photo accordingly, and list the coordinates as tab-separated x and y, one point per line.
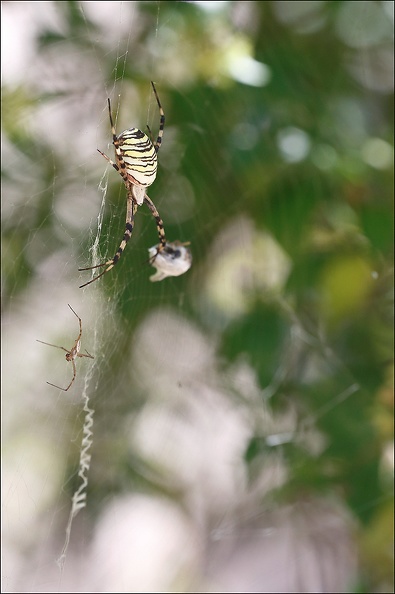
130	212
53	345
120	166
79	321
108	159
88	355
74	376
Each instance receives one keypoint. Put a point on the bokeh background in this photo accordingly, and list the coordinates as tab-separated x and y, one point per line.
243	412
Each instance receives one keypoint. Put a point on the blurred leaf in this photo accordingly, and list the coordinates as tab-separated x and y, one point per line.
259	336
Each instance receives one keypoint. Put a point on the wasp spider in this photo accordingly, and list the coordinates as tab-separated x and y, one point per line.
137	163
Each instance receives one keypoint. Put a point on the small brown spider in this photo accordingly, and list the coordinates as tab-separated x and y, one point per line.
72	353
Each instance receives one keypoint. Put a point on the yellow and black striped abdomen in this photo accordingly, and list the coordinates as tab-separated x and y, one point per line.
139	155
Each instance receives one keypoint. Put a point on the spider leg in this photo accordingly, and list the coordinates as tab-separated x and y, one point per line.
53	345
114	134
74	312
59	388
73	378
150	134
159	222
130	212
161	122
121	168
108	159
98	276
79	320
88	355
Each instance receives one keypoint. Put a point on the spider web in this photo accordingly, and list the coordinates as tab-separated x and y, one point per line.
166	466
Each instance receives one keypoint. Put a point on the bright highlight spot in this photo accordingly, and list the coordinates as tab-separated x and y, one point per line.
378	153
248	71
214	6
294	144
